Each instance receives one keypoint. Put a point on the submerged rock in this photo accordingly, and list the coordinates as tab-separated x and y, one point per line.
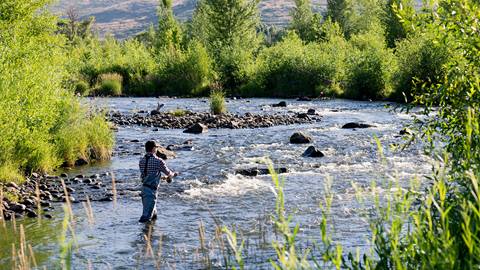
259	171
312	151
280	104
353	125
406	131
81	162
300	138
197	128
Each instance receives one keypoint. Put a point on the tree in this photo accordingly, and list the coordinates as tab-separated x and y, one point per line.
394	28
169	31
228	29
74	28
336	11
302	19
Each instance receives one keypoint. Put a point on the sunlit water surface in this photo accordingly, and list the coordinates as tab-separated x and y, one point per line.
212	193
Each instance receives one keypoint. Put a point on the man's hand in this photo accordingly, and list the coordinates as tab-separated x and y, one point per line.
170	177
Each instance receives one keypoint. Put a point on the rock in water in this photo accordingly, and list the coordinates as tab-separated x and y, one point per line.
356	125
197	128
259	171
304	99
280	104
165	154
155	112
17	208
81	162
406	131
300	138
312	152
311	112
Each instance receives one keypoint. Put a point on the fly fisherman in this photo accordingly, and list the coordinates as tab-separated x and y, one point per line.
151	169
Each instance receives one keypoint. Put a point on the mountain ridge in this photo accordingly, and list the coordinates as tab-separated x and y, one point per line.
126	18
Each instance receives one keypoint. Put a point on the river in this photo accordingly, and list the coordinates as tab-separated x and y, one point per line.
212	193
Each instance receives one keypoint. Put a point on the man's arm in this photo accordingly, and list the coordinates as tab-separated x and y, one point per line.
164	169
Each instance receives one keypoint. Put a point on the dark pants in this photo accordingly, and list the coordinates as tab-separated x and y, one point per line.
149	201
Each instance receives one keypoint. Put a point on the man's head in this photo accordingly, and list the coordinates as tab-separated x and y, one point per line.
151	147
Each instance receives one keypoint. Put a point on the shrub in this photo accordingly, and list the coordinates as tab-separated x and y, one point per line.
217	102
291	68
110	84
134	61
369	67
82	88
37	132
420	62
234	66
185	73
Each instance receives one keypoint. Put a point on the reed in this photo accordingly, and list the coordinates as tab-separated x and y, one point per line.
217	102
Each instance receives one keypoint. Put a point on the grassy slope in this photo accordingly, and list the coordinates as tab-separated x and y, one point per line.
127	17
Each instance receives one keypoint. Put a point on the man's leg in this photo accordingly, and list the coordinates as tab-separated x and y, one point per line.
148	201
154	212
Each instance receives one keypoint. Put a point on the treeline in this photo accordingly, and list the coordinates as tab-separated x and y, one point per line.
42	124
354	49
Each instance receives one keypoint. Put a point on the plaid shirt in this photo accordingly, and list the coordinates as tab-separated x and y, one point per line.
155	166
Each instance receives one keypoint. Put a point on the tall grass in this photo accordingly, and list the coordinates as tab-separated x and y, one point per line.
217	102
110	84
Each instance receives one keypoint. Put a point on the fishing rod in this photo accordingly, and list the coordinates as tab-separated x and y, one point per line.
196	167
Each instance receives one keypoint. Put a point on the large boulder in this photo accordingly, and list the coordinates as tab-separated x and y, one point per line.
17	208
165	154
197	128
313	152
300	138
356	125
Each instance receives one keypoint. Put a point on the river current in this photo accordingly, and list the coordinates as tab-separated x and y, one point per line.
212	194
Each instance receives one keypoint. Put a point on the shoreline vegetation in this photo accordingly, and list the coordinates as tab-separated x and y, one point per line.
354	49
364	49
43	124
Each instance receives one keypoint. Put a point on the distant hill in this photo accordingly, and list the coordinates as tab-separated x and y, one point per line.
124	18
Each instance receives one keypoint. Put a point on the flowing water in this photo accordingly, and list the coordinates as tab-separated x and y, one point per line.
212	194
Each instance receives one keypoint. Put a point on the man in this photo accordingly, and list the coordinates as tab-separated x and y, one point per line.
151	169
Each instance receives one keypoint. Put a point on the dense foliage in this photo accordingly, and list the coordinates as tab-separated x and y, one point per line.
42	124
355	49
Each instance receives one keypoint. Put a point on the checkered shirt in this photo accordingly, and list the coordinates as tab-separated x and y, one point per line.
155	166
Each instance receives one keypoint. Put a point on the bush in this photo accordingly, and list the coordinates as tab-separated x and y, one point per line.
369	67
82	88
291	68
110	84
185	73
217	102
42	130
420	62
134	61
